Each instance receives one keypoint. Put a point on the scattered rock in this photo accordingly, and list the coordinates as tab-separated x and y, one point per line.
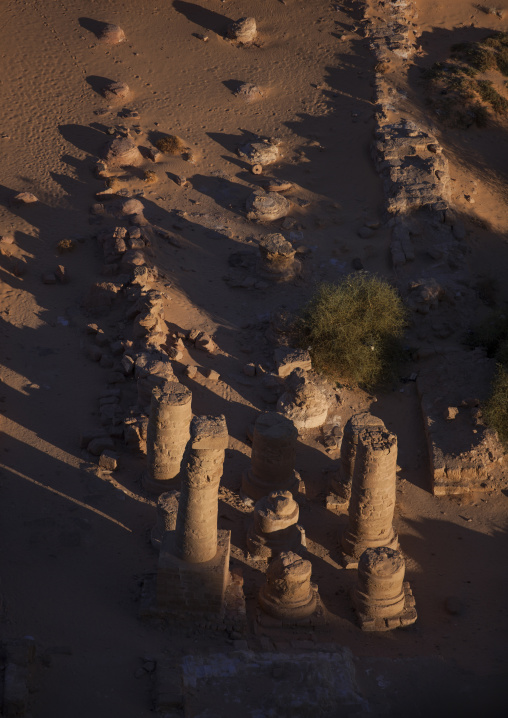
116	91
267	206
365	232
191	371
276	185
111	34
248	92
249	369
62	274
205	342
262	152
288	359
211	374
108	460
243	30
450	413
122	152
132	206
24	198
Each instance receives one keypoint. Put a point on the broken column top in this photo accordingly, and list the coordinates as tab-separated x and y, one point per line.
274	245
378	438
280	503
365	420
381	561
172	392
209	432
291	564
272	425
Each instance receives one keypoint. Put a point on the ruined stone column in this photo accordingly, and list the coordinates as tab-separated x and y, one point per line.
273	457
193	570
278	258
274	528
382	599
196	523
372	495
167	509
167	435
340	482
287	593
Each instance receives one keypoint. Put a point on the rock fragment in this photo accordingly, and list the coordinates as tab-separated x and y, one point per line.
267	206
111	34
244	30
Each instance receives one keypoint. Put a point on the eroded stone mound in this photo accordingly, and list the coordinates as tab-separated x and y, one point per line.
267	206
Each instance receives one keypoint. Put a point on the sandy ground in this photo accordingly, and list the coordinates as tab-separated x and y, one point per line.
75	541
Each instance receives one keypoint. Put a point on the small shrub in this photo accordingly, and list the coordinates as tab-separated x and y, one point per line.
170	145
492	96
65	245
353	329
495	410
149	176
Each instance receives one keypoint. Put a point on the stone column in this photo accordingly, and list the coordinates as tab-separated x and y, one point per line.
274	528
193	570
382	599
372	495
167	509
278	258
196	523
167	435
273	457
340	482
287	593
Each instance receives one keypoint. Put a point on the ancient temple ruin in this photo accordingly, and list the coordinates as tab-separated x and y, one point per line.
274	528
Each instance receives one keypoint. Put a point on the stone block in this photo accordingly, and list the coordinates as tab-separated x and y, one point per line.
193	587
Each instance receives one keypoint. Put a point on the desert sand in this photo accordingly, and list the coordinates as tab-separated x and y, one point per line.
75	536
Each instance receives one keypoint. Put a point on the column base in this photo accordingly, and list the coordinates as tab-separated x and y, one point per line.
351	550
192	587
406	617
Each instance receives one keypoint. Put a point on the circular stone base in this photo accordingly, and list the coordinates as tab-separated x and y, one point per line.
288	611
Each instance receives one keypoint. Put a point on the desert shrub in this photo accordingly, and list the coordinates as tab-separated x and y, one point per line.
353	329
65	245
495	409
490	95
149	176
171	145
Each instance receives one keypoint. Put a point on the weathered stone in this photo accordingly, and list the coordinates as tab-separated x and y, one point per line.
111	34
262	152
381	599
372	503
273	457
306	401
243	30
122	152
288	359
267	206
168	434
274	528
108	460
116	91
287	592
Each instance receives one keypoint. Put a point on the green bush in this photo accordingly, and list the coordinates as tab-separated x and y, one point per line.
495	410
353	329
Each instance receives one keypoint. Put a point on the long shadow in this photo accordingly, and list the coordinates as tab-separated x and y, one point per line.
227	194
207	19
94	26
98	83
